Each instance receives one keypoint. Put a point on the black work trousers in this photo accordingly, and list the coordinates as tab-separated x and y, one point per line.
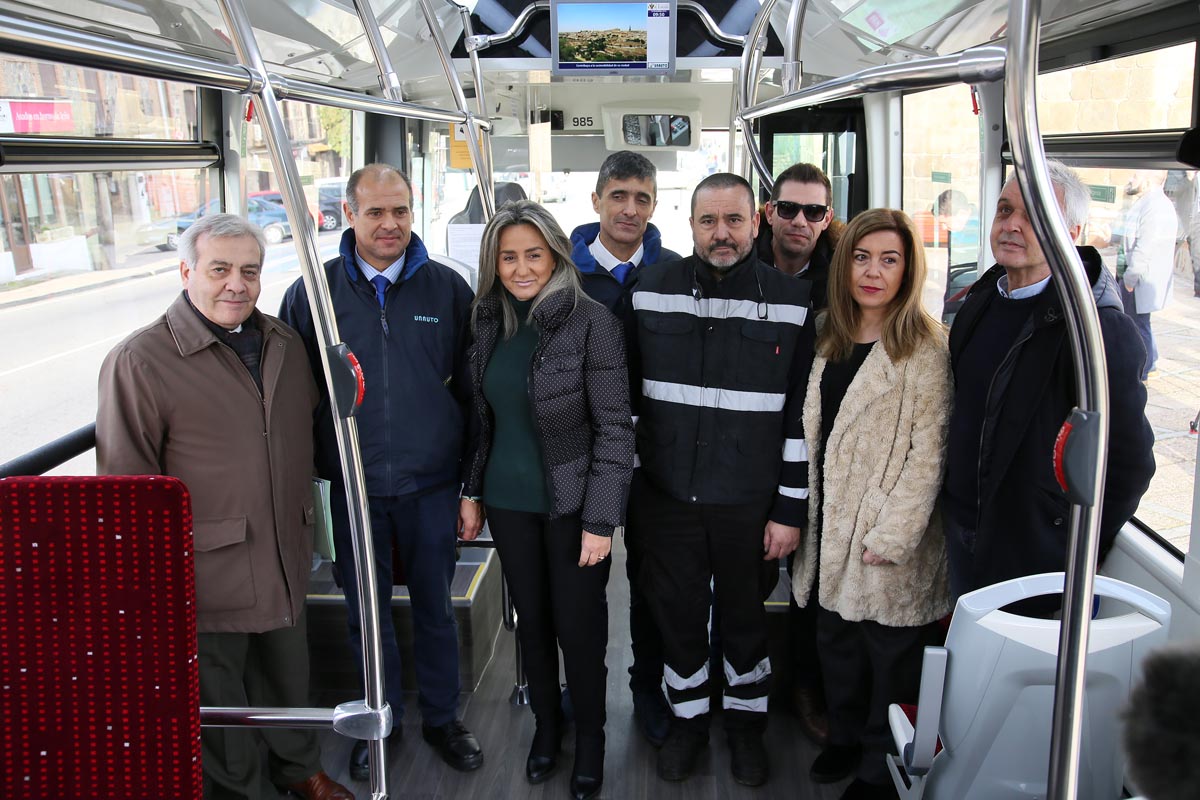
559	604
867	667
690	547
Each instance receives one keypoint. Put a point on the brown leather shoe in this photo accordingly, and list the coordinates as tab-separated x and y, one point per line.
809	703
321	787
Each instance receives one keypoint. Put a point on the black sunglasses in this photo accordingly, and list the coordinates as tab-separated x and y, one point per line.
813	212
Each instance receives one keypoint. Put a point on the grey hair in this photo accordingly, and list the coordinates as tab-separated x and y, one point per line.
375	171
1076	197
623	165
565	275
219	226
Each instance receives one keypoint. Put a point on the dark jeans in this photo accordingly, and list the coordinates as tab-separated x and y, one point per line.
1142	321
646	672
868	666
559	604
422	528
255	669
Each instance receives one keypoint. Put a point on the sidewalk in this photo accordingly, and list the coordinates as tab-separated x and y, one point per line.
42	287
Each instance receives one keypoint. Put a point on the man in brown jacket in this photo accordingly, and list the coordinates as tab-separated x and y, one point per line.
221	396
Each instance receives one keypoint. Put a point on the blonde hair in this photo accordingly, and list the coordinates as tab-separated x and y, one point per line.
565	275
906	323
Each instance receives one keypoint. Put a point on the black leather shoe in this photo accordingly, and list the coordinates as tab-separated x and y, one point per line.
588	774
543	753
679	753
748	756
360	767
455	745
584	788
652	715
861	790
837	761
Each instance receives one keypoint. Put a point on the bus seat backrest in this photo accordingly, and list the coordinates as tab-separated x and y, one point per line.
999	692
473	214
99	678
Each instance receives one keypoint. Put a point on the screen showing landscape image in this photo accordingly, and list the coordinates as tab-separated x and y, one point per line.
601	32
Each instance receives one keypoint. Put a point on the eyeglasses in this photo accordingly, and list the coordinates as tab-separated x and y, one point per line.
813	212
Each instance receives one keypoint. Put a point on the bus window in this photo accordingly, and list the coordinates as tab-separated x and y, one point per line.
38	98
1147	91
941	191
1121	199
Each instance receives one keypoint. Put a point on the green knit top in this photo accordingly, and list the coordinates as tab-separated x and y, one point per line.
515	476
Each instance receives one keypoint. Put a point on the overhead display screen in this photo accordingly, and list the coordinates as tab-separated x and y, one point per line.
612	38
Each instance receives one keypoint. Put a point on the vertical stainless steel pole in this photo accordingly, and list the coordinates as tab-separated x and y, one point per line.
389	81
793	38
484	179
747	91
481	103
279	146
1083	325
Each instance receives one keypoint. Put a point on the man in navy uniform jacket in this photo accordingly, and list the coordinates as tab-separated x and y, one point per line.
611	254
405	317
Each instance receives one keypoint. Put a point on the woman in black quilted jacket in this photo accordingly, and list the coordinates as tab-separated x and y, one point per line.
552	468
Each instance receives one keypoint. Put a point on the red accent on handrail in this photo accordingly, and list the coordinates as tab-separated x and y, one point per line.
1060	444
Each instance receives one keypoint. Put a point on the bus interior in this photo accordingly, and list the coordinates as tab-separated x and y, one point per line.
122	122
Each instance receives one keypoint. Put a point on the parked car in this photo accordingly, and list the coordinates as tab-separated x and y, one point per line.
330	194
270	217
273	196
160	233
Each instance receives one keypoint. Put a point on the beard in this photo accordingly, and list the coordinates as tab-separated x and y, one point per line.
723	262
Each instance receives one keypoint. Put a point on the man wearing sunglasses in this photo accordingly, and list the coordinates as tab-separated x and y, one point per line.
798	240
798	216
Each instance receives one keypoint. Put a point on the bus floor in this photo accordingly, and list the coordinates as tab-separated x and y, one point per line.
505	732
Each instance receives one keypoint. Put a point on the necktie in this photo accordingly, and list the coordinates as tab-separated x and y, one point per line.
620	271
381	284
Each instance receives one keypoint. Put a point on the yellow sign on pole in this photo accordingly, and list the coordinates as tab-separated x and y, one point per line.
460	153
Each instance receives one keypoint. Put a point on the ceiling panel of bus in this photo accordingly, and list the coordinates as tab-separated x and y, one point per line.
317	40
323	40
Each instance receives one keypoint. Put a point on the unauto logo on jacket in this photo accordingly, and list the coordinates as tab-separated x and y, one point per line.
423	318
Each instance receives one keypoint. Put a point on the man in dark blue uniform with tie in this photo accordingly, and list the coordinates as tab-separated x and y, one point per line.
610	254
406	318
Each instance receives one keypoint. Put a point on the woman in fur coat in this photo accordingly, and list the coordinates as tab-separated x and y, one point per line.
875	417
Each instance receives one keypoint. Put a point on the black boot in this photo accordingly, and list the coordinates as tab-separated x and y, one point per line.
543	754
678	756
748	756
588	775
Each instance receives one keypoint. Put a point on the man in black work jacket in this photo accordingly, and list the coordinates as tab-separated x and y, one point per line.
610	254
406	320
721	344
1014	377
